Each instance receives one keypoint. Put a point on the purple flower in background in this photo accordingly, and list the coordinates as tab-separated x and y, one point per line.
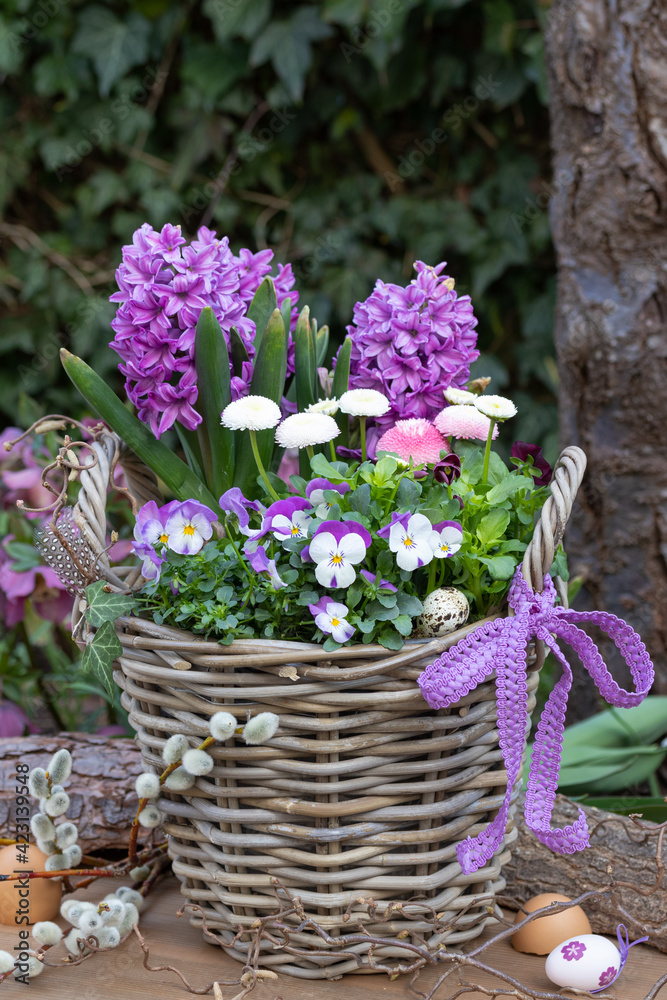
573	951
523	451
412	343
330	619
336	547
315	493
162	287
261	563
151	522
188	526
448	469
382	585
152	562
14	721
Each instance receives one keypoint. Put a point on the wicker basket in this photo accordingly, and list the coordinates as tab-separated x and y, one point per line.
363	793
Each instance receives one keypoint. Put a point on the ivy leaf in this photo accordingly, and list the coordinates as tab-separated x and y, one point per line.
99	655
104	607
114	46
244	19
287	45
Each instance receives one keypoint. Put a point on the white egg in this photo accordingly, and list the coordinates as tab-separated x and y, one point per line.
585	962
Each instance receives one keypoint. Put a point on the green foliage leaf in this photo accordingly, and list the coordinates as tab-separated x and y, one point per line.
493	526
360	499
23	555
213	379
104	605
287	44
262	307
113	45
499	567
99	655
244	19
507	488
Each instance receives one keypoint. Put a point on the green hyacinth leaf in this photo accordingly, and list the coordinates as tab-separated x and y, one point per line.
341	383
261	309
321	344
213	380
304	362
238	352
178	478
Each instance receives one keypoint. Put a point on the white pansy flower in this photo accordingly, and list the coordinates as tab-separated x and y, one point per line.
364	403
496	407
251	413
413	542
304	430
460	397
450	538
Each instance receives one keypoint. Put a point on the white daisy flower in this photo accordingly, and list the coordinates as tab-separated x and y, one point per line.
413	542
327	406
303	430
460	397
364	403
496	407
251	413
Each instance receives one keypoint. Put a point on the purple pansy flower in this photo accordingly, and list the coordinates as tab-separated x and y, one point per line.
382	585
152	562
234	502
315	493
523	451
450	539
287	518
573	951
151	522
336	547
402	519
188	526
261	563
330	618
413	542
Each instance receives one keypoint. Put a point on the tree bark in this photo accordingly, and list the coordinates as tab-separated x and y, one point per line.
607	71
103	801
613	853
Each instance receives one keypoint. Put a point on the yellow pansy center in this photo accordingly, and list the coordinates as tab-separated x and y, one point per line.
408	542
337	559
295	529
164	538
335	622
188	530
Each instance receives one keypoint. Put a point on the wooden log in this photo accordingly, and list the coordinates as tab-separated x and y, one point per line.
615	852
103	800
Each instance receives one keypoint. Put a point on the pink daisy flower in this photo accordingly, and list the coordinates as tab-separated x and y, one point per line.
464	422
415	439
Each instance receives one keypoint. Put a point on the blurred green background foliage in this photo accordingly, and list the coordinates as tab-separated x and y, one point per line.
351	136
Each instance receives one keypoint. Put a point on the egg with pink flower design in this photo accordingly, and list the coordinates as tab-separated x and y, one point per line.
584	962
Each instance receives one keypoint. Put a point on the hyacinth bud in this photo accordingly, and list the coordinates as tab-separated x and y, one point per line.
42	827
128	895
150	817
179	780
38	783
108	937
47	846
130	917
222	725
174	748
147	786
197	762
55	863
66	835
260	729
58	804
6	962
90	922
140	873
72	856
60	766
35	967
46	933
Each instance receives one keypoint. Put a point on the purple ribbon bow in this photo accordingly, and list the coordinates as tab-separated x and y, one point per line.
624	947
501	646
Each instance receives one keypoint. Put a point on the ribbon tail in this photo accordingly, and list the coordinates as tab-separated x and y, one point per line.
545	766
626	640
459	670
512	700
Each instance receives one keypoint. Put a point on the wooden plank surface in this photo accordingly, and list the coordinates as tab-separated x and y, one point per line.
120	973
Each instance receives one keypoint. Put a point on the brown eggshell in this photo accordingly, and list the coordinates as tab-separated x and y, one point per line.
542	935
44	894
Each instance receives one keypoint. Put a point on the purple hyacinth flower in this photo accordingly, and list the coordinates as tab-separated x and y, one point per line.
523	450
